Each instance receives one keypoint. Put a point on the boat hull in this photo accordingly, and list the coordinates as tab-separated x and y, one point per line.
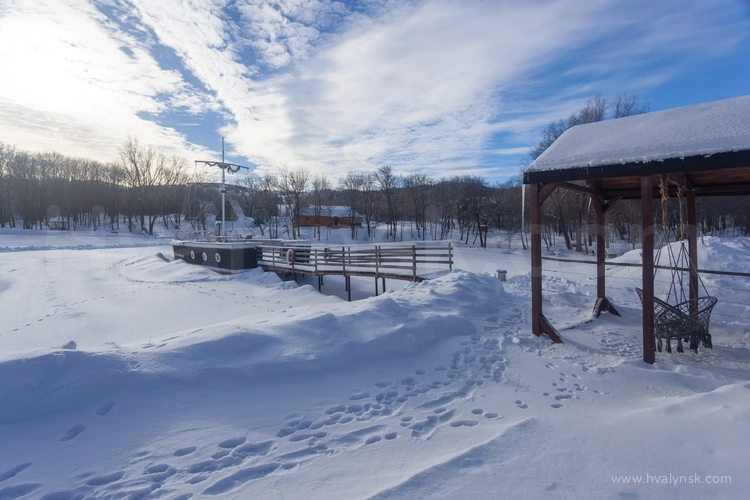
220	256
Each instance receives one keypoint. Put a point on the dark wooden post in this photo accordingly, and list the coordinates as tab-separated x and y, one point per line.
647	250
600	251
377	274
692	244
414	262
536	260
602	303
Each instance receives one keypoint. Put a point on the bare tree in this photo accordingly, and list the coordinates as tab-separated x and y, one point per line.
626	104
418	186
389	184
320	187
595	110
293	183
7	153
146	171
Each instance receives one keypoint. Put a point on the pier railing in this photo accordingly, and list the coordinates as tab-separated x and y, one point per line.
402	262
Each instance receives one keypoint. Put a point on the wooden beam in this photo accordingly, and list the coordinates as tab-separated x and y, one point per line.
680	179
611	203
723	189
545	190
580	189
598	204
692	244
547	328
536	260
603	305
647	250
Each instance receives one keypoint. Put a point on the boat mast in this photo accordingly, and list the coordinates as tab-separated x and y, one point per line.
223	189
224	166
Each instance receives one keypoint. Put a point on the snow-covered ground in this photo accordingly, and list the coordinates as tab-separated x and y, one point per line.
124	375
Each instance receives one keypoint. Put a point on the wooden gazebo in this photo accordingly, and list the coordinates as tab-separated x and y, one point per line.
704	149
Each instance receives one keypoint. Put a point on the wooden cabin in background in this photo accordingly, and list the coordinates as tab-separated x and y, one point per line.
58	224
331	216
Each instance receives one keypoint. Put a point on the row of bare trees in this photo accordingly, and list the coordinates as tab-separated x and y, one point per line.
415	203
142	185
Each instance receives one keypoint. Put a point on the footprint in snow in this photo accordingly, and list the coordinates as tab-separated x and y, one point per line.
185	451
12	472
521	404
18	491
105	479
73	432
464	423
104	410
373	439
232	442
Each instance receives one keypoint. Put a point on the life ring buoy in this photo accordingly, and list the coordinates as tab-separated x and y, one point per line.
290	257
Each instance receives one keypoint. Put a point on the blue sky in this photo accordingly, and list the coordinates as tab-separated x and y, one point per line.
437	86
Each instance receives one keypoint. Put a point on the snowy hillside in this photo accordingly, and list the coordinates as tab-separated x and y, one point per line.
125	375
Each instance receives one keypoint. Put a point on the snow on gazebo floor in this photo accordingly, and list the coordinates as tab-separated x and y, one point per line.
124	375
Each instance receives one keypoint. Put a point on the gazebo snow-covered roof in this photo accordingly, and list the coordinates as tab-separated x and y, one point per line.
703	150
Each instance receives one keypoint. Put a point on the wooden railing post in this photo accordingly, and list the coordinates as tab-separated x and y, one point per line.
377	269
414	262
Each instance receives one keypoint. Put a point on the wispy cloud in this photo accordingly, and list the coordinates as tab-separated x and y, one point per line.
441	86
69	86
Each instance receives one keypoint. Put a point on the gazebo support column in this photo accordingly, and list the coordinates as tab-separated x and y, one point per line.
536	260
539	323
692	244
647	249
602	303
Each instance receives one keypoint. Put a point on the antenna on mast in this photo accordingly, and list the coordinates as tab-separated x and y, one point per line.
225	167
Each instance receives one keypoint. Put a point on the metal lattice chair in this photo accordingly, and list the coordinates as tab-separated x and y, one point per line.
699	309
687	320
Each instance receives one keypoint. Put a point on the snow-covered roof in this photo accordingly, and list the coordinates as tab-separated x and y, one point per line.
330	211
698	130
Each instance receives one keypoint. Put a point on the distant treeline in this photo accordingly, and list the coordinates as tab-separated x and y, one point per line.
144	185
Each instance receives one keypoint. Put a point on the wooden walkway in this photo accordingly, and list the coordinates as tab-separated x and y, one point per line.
380	262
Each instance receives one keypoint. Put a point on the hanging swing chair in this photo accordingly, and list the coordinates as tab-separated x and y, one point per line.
679	317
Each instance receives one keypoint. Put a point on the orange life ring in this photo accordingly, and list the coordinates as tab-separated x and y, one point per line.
290	257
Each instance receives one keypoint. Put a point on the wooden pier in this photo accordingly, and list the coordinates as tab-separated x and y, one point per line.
381	262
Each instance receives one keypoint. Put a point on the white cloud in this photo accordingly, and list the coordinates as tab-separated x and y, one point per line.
69	86
415	84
